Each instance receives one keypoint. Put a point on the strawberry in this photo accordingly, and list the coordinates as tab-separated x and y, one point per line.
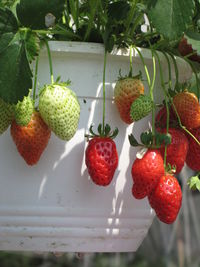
161	118
23	111
141	107
60	109
125	92
101	157
31	140
146	173
186	49
188	109
166	198
193	155
6	115
177	150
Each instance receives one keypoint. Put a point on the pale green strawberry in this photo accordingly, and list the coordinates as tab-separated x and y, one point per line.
141	107
6	115
60	109
24	110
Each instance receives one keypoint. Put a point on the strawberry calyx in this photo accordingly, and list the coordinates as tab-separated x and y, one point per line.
136	77
170	169
149	140
102	132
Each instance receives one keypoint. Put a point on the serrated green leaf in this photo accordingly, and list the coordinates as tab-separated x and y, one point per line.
8	21
32	13
193	38
32	44
15	73
172	17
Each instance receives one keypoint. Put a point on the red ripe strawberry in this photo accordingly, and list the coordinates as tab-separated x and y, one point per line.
188	108
186	49
146	173
177	150
193	155
161	118
166	199
101	160
31	140
125	92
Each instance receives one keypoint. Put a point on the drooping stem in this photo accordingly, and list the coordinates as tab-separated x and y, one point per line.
196	76
50	61
35	80
151	94
104	89
166	102
131	61
145	66
175	67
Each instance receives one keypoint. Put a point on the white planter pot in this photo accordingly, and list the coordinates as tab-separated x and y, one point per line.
54	206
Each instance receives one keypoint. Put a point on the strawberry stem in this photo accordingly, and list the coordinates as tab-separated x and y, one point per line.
131	61
145	66
35	80
196	75
50	61
152	96
104	89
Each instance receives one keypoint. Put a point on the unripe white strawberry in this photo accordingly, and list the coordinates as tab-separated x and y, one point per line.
60	109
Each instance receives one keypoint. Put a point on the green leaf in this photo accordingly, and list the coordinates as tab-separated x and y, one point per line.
32	13
193	38
194	183
172	17
32	44
8	21
15	73
5	39
118	10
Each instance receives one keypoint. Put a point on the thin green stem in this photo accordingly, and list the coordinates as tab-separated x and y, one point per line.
104	89
35	80
131	61
196	76
175	67
183	127
151	94
166	102
169	69
145	67
50	61
130	16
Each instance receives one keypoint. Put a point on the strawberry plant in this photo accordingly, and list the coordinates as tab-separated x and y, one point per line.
171	28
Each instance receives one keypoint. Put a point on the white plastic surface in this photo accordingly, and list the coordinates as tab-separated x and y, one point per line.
54	206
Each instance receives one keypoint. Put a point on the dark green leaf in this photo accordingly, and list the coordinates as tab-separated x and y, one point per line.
15	73
32	13
133	141
118	10
5	39
172	17
8	21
